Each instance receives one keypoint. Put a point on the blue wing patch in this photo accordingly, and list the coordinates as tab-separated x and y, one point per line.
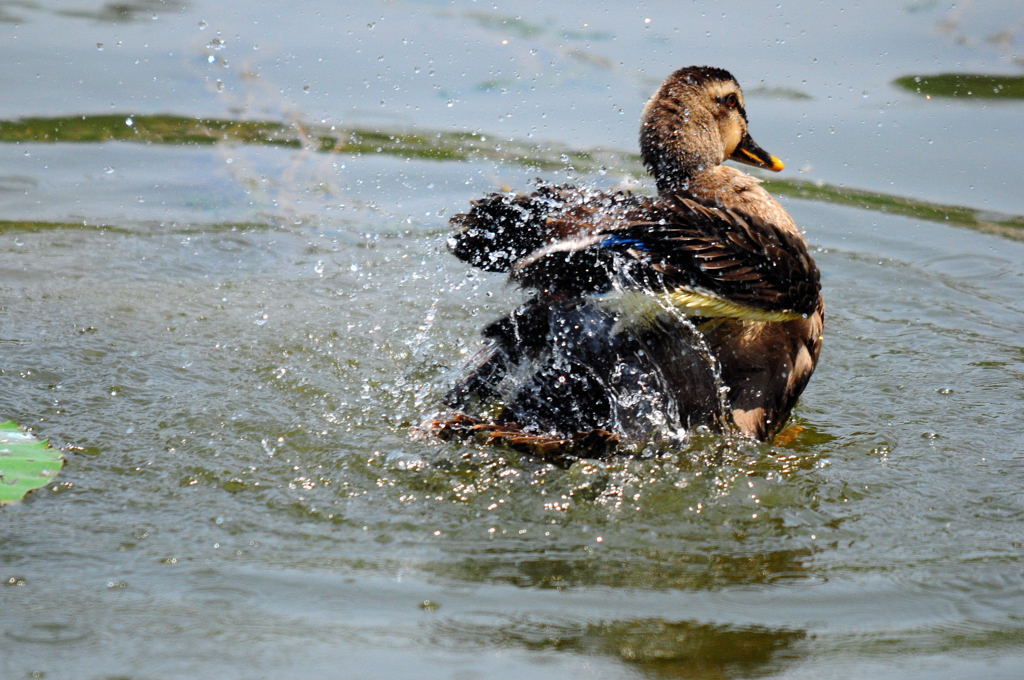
627	241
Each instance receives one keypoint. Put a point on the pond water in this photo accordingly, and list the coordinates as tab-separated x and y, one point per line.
231	341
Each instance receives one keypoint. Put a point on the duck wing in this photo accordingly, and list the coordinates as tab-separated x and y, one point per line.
502	228
710	262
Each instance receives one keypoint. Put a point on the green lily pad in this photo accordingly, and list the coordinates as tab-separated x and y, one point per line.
25	463
964	85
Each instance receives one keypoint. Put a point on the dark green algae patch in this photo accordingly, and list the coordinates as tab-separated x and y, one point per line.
964	85
181	131
453	146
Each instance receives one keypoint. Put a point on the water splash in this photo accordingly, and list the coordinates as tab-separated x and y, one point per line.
626	361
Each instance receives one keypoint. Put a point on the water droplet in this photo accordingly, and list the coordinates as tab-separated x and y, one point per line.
202	25
99	46
129	122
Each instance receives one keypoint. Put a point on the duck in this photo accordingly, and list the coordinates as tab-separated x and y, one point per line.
696	308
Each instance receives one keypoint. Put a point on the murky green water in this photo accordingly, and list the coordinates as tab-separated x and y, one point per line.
232	339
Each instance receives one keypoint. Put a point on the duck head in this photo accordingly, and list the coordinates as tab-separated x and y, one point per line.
693	123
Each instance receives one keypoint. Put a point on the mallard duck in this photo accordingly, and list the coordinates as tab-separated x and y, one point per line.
700	306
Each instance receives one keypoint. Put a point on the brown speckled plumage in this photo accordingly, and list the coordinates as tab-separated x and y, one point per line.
713	245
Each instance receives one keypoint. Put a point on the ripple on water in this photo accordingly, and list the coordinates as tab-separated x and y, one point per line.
662	647
56	632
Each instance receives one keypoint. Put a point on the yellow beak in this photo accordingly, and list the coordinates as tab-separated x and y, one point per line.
747	151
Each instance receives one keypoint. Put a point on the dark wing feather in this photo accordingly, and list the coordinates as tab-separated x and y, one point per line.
519	335
682	244
498	230
503	228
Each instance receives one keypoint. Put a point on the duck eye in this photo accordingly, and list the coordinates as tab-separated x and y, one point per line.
730	101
